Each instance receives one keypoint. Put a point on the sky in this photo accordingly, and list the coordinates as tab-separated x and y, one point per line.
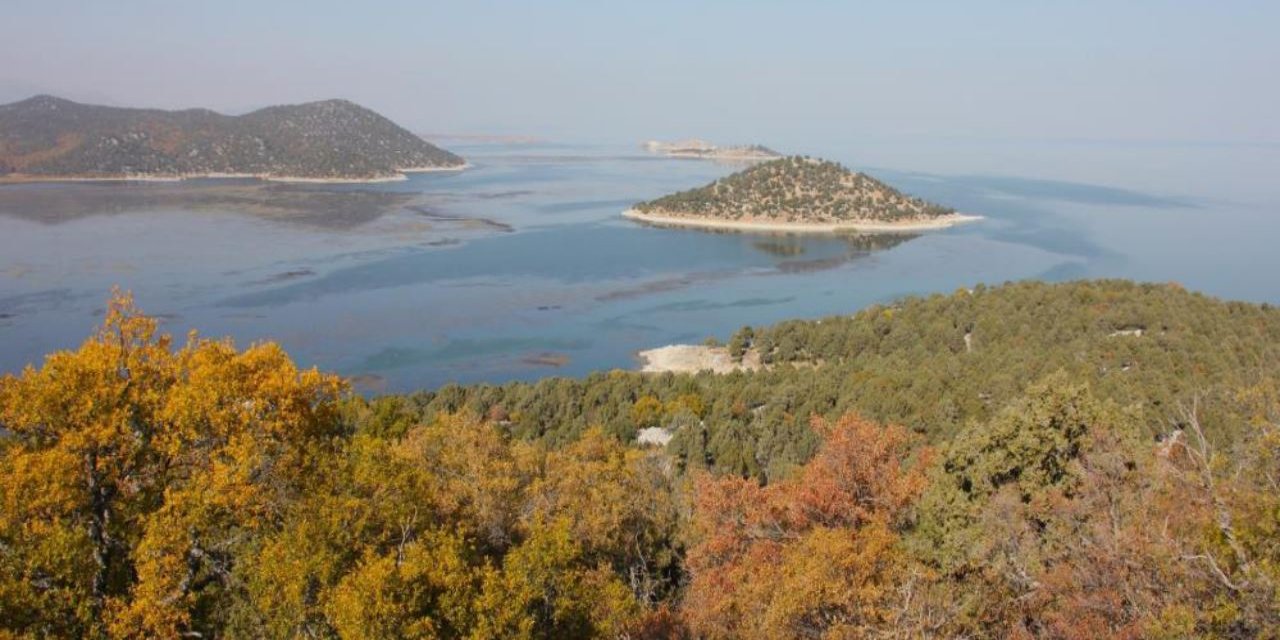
803	74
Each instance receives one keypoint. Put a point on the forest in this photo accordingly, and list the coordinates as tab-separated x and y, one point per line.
1095	459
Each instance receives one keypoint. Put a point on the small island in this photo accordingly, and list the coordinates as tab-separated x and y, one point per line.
51	139
797	194
701	149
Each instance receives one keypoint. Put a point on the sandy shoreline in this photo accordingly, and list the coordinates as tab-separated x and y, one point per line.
460	167
691	358
941	222
265	177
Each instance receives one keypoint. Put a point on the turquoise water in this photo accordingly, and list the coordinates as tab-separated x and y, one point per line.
521	267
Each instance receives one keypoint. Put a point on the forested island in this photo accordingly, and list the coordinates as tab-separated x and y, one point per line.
49	138
1093	459
701	149
797	194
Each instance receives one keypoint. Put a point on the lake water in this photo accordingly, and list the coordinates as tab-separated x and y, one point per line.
521	267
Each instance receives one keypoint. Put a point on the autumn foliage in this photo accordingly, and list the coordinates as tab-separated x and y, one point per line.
150	490
816	555
132	465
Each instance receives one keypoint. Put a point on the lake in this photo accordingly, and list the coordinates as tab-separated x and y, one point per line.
521	267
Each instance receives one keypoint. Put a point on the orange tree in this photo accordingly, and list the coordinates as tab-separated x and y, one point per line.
815	555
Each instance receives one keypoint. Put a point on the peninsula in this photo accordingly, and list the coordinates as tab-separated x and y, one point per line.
51	139
702	149
797	194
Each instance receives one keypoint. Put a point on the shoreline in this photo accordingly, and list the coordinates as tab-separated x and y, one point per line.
692	358
461	167
661	220
264	177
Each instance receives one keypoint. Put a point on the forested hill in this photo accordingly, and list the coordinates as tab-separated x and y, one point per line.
1081	460
46	136
934	364
796	189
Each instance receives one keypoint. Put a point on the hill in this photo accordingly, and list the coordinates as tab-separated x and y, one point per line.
49	138
1082	460
797	193
932	364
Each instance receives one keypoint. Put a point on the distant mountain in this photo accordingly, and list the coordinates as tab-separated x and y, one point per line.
47	137
484	138
702	149
800	190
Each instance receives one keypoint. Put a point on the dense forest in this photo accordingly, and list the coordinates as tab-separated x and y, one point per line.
1082	460
796	189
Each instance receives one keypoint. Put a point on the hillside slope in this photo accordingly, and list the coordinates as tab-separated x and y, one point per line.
796	189
933	364
47	137
1098	460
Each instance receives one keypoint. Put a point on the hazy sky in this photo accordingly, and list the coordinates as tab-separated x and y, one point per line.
1201	71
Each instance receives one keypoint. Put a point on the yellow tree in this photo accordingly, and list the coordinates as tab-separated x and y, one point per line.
424	588
395	536
546	588
81	473
619	504
127	464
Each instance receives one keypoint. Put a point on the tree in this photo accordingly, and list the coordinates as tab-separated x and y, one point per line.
1223	515
619	506
740	342
424	589
546	590
815	555
129	463
1058	520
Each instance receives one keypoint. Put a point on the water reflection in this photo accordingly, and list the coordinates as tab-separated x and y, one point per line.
523	267
334	209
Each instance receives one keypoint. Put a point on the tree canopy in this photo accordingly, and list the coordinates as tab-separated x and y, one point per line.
1095	460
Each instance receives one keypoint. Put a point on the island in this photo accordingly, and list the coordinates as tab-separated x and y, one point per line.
797	194
701	149
45	138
